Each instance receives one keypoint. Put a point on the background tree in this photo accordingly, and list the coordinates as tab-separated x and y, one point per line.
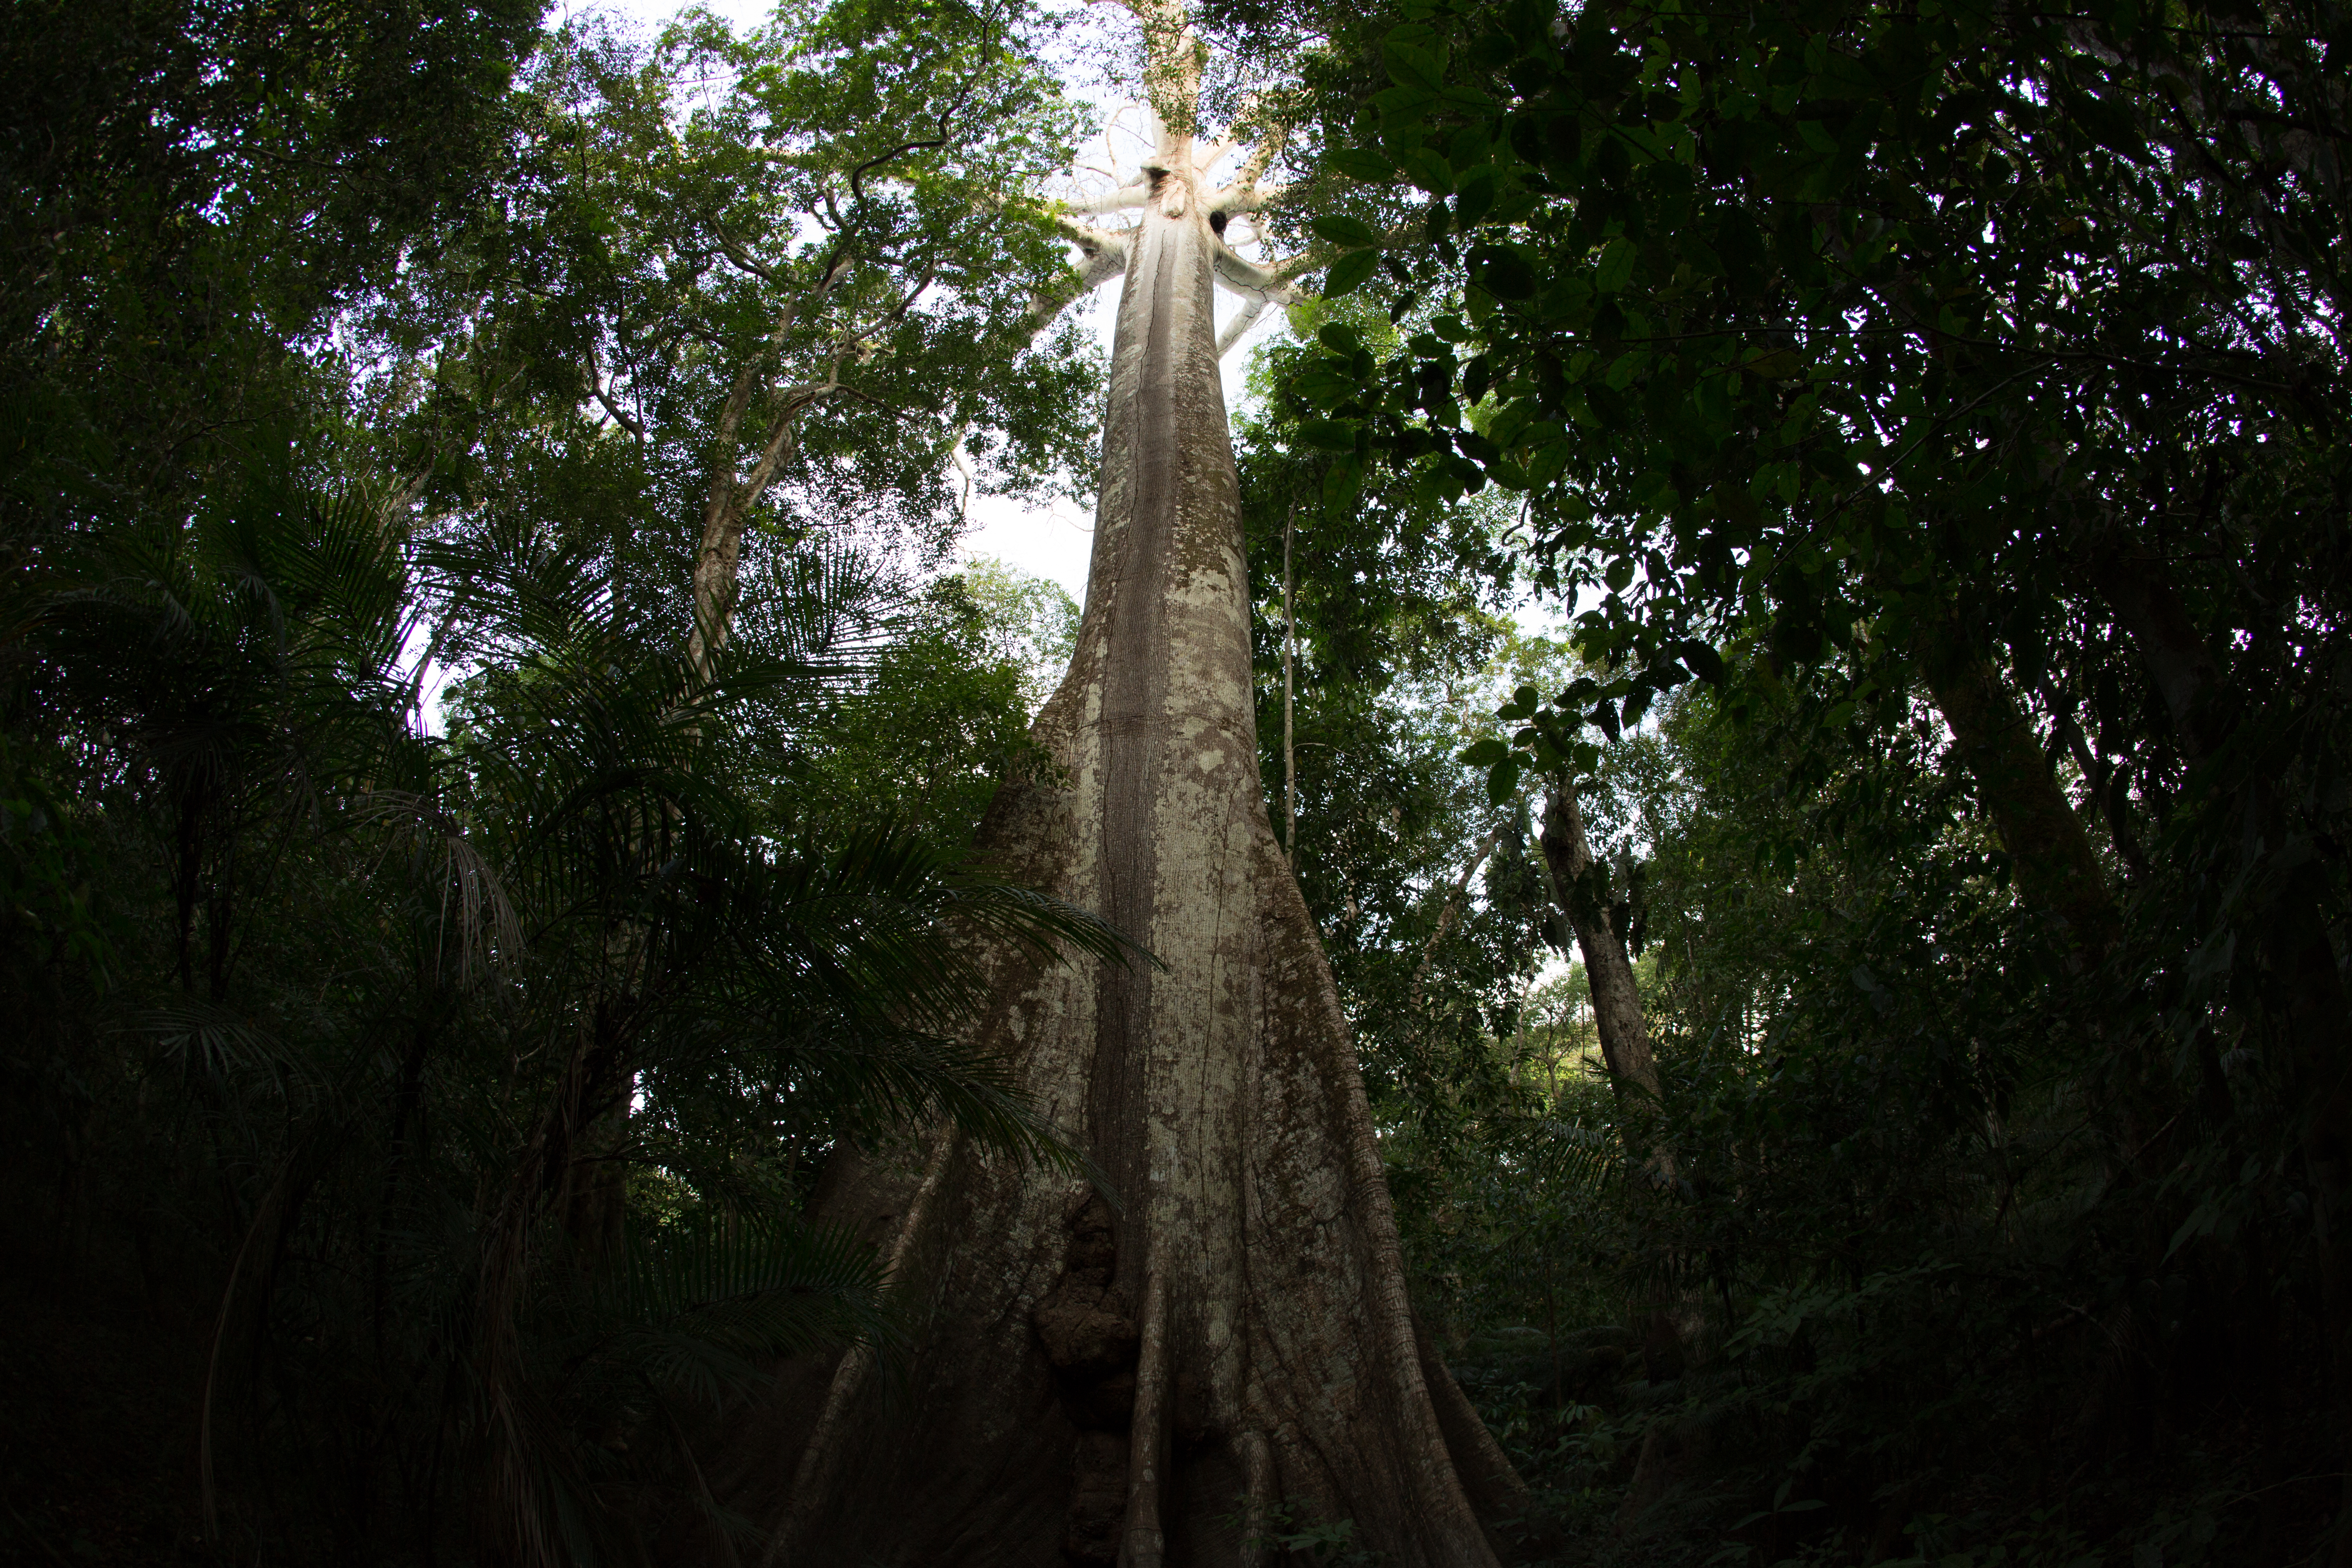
1923	357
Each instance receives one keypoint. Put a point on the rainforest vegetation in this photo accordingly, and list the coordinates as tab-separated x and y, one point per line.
1798	596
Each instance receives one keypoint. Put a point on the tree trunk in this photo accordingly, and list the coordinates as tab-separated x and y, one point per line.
1140	1384
2056	871
1608	967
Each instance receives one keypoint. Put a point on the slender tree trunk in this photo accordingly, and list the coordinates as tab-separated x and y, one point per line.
1667	1313
1608	967
1450	912
2056	871
1133	1383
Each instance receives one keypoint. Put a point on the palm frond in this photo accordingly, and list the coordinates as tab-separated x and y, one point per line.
703	1307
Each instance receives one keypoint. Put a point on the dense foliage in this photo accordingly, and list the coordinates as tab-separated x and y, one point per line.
444	938
1934	418
489	736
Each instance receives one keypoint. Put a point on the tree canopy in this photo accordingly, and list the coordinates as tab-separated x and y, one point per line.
1815	532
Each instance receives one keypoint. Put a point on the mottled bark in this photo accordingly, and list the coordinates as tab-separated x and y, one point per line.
1092	1387
1608	967
2056	871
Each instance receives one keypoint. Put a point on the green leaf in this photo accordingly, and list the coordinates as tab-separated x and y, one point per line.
1781	364
1508	276
1616	265
1430	171
1361	163
1401	108
1477	199
2110	123
1349	271
1503	780
1485	753
1340	229
1340	339
1702	660
1327	435
1547	463
1412	66
1321	386
1340	483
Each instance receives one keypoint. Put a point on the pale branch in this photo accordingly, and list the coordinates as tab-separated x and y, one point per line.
968	476
1239	275
1126	198
1451	910
1237	198
621	415
1316	257
1102	256
1171	71
1087	237
1243	320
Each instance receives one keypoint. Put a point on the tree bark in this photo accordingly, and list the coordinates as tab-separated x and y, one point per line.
1289	654
1135	1386
2056	870
1608	967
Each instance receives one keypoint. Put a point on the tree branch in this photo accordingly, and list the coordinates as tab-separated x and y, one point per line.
1128	197
1240	325
1451	911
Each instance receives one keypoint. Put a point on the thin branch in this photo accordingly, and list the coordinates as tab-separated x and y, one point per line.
733	252
626	420
1449	911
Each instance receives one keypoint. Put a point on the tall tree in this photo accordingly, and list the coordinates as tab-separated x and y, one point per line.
741	289
1152	1369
